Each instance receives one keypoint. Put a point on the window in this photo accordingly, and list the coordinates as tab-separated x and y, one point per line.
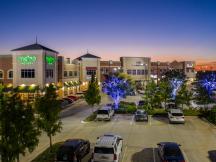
49	73
103	150
10	74
143	72
146	72
128	71
134	72
75	73
91	72
1	74
70	73
65	74
139	72
27	73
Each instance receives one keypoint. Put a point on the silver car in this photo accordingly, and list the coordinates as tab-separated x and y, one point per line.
141	115
176	116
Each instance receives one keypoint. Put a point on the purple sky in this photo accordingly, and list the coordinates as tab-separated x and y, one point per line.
161	29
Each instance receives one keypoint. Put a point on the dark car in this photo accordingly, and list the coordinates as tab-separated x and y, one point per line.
73	97
64	103
141	115
170	152
141	103
73	150
69	100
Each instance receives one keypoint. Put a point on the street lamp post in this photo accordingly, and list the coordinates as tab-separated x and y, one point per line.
145	65
110	63
158	63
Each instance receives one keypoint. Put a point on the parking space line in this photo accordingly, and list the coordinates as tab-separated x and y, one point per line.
132	120
185	155
150	118
124	154
153	150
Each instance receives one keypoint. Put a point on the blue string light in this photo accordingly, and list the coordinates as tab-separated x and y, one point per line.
208	81
175	84
116	88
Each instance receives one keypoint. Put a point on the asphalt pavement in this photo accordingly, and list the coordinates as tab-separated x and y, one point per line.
197	137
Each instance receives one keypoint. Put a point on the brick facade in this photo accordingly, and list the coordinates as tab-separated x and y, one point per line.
6	66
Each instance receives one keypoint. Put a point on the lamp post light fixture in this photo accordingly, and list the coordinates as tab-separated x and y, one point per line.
158	63
145	65
110	63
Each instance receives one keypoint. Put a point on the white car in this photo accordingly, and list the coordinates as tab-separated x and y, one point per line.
176	116
108	148
105	113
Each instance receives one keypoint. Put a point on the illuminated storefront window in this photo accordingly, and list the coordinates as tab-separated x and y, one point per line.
50	60
27	60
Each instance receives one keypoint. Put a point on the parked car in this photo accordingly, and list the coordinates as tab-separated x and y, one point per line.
75	98
70	101
105	113
176	116
141	103
64	103
170	152
108	148
141	115
73	150
132	93
141	91
111	105
170	105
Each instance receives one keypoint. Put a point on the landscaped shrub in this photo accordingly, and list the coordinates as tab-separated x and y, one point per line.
91	117
212	115
124	103
192	112
131	109
126	107
48	155
157	112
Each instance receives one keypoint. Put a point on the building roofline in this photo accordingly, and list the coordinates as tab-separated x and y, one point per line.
34	46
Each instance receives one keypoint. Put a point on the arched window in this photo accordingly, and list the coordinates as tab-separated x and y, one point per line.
10	74
1	74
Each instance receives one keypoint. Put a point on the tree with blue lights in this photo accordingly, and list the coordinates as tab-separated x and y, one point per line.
175	79
206	86
175	85
207	80
116	88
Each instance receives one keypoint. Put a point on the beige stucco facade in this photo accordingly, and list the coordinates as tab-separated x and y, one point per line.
39	65
70	71
139	68
86	64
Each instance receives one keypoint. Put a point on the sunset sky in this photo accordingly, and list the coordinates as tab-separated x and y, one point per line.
161	29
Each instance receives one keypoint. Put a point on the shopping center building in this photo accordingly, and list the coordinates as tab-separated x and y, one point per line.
138	68
37	66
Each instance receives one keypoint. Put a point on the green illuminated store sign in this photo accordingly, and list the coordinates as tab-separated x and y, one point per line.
50	60
27	60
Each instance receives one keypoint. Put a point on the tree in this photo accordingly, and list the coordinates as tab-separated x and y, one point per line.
116	88
171	74
151	95
165	91
48	109
203	96
183	96
18	129
92	95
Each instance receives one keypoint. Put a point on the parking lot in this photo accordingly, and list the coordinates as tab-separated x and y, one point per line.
197	137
